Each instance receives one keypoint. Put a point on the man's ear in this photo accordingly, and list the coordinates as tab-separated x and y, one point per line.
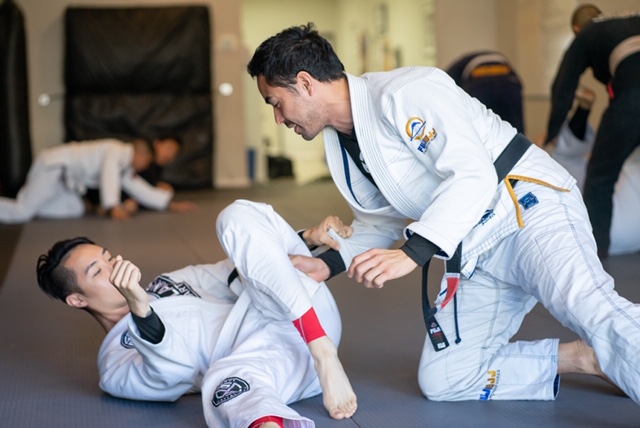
306	81
76	300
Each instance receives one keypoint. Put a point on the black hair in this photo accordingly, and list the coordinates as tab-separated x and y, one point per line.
584	14
53	278
281	57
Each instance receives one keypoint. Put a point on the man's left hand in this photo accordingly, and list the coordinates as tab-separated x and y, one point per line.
377	266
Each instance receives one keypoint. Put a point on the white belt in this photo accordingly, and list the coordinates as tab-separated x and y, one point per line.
625	48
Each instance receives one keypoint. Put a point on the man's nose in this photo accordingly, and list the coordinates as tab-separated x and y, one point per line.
279	117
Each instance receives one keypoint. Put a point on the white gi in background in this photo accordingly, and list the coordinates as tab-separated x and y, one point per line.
573	154
234	343
60	176
418	150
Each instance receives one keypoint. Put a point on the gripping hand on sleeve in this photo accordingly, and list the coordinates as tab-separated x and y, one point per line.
319	235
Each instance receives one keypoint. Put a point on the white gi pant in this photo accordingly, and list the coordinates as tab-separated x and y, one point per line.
552	260
44	194
268	353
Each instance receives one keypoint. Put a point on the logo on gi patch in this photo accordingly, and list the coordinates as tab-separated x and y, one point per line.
488	215
417	131
528	200
125	340
229	388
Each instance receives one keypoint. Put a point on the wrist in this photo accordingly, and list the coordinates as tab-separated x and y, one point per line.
141	311
304	238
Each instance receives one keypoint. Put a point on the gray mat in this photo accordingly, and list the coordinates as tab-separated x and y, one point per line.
48	375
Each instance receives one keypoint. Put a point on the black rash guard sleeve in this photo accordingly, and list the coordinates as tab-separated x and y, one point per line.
151	327
330	257
333	259
419	249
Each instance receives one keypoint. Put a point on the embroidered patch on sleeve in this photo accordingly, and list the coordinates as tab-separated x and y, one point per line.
125	340
163	286
528	200
417	131
228	389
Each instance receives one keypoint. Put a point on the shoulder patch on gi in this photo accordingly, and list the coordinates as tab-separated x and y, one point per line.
163	286
228	389
125	340
417	131
528	200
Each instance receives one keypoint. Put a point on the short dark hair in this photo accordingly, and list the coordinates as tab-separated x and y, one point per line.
53	278
584	14
281	57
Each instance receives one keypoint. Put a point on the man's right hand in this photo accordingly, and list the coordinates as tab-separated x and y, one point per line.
315	268
125	277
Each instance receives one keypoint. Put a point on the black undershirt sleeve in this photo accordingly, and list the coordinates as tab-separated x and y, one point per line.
419	249
333	259
151	327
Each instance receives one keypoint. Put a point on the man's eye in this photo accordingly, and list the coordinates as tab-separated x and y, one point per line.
97	272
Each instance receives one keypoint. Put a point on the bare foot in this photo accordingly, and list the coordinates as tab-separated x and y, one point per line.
578	357
337	395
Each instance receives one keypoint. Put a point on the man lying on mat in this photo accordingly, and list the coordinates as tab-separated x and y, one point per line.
224	329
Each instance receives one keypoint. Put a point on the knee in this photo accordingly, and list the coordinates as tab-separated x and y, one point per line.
433	387
233	214
439	384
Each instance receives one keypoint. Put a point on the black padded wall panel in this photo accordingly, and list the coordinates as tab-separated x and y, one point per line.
15	138
142	71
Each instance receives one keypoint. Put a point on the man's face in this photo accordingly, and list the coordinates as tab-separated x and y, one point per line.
166	151
92	266
294	108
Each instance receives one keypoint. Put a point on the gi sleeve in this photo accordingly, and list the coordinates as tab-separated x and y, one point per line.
143	192
451	178
139	370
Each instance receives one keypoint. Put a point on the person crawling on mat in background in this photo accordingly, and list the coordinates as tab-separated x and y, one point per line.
230	330
152	175
61	175
572	149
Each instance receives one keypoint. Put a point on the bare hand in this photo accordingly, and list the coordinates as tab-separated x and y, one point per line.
376	266
125	277
182	206
119	213
319	235
313	267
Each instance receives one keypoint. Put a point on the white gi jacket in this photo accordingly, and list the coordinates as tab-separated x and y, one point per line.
430	148
103	164
133	368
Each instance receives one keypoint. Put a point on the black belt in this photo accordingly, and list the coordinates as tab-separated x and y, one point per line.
505	162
